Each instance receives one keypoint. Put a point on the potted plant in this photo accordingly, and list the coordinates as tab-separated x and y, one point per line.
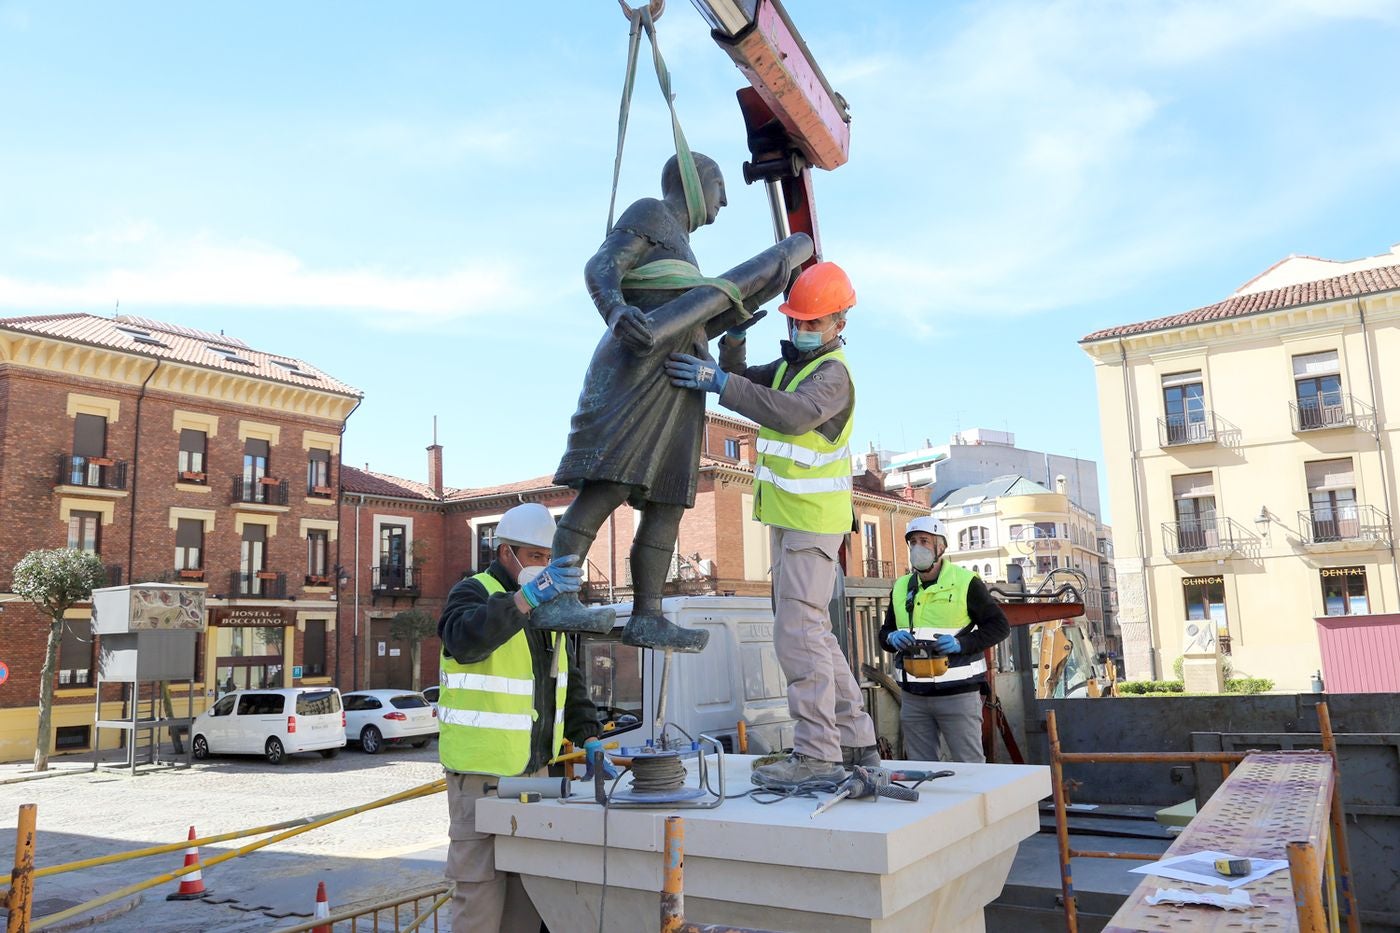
269	481
192	476
267	575
191	574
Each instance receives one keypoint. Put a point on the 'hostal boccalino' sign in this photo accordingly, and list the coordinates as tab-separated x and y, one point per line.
252	615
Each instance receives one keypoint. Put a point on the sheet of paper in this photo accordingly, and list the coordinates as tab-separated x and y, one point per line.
1199	867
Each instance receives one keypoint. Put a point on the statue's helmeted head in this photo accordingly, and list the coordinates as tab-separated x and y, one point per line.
711	183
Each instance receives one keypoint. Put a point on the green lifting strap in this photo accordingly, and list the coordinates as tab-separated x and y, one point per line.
679	275
690	177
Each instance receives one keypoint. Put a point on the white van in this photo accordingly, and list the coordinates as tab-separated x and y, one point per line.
272	723
736	677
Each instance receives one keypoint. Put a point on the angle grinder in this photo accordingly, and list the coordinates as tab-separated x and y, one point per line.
923	660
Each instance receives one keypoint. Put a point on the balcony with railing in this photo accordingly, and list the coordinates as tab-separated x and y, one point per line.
1344	527
1207	539
258	584
1329	411
394	580
1180	430
183	575
91	472
261	491
882	569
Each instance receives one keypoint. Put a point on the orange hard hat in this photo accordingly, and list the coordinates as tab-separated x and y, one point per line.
820	290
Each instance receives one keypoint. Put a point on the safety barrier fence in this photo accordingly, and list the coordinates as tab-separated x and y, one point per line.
399	910
20	897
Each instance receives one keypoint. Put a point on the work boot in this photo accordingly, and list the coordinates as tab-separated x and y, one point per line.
867	756
798	769
648	628
566	613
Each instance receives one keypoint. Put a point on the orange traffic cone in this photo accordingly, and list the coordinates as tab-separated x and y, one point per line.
323	909
192	884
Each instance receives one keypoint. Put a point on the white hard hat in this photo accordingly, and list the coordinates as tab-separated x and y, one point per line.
526	525
927	524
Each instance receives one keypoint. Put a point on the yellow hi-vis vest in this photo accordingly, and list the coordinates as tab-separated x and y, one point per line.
804	482
486	710
940	608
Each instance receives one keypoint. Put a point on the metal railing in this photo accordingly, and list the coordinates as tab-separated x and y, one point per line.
878	568
1204	534
1183	429
92	472
262	491
391	578
1329	524
258	584
1327	411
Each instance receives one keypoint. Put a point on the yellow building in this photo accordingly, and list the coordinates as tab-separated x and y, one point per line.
1250	450
1013	520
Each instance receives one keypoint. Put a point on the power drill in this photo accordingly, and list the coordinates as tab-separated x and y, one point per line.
878	782
923	660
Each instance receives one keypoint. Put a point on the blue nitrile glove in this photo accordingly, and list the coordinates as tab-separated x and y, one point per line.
563	575
947	644
738	331
591	747
689	372
900	640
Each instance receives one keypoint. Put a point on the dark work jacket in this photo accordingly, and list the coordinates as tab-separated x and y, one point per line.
474	624
987	629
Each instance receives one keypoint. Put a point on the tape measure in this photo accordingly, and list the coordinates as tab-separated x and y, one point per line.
1232	867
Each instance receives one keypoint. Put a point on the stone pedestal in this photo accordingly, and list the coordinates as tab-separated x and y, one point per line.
1203	673
886	865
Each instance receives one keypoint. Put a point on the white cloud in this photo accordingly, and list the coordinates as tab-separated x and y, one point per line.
202	272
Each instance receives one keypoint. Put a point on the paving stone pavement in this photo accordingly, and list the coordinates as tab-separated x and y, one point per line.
366	857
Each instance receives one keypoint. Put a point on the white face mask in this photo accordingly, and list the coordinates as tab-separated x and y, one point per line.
527	574
922	558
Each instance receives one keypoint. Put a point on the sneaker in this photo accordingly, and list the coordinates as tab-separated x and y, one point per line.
867	756
799	769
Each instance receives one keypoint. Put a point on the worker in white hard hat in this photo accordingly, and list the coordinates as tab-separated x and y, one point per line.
948	605
510	694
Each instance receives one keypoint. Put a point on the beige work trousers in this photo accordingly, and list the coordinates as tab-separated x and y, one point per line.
822	693
485	900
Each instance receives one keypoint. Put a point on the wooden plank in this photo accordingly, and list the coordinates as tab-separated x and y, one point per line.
1268	801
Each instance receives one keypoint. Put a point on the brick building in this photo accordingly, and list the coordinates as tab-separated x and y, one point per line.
174	455
415	540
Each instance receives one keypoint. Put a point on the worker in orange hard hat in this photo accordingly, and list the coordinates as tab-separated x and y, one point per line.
804	403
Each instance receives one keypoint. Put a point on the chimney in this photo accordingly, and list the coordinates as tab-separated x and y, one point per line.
1061	484
745	450
435	468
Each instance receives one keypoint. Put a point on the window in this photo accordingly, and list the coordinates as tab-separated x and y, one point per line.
72	738
973	538
255	453
613	675
1332	500
84	531
260	704
393	556
192	447
318	703
1184	397
355	703
223	707
1044	565
317	547
731	448
253	559
485	546
1317	383
1014	532
1344	591
313	649
189	545
75	653
1205	599
318	473
89	450
1045	530
1194	498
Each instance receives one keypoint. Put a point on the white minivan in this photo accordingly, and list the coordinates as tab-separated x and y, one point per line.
272	723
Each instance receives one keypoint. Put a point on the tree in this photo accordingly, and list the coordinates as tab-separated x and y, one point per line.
54	580
412	626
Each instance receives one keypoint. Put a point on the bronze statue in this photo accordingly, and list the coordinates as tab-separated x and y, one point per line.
635	437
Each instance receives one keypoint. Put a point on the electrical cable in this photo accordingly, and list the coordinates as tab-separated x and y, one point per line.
657	775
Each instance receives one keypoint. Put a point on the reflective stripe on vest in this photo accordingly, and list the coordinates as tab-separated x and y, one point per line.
940	608
803	482
486	710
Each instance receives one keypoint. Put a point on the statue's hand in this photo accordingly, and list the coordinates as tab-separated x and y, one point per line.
631	328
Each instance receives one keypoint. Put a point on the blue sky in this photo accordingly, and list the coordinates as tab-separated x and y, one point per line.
405	195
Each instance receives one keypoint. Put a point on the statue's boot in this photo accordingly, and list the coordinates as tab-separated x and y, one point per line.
648	628
567	613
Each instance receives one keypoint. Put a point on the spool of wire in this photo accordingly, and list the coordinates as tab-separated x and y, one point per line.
661	773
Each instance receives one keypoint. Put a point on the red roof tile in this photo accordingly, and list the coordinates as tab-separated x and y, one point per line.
355	480
1351	285
538	484
145	337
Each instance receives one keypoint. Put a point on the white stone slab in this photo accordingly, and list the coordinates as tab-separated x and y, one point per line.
884	865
